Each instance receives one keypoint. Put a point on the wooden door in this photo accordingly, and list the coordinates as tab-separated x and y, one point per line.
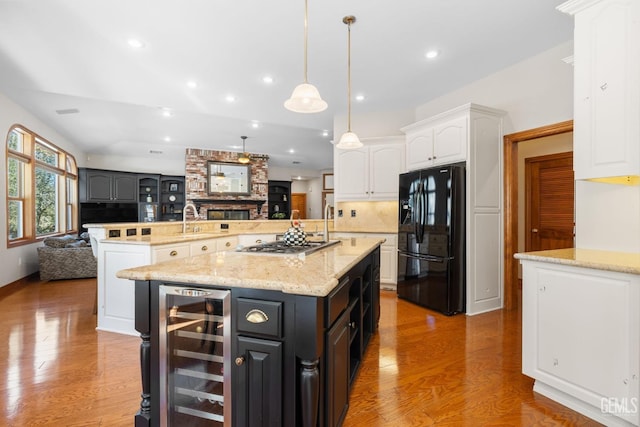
299	202
549	207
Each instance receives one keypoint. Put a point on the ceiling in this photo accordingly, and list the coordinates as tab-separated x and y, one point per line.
69	63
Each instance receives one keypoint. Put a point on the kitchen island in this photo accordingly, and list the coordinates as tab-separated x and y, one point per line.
581	330
290	332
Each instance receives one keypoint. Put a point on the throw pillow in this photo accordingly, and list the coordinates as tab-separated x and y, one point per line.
76	244
58	242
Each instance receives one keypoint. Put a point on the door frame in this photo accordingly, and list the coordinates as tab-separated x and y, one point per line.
511	203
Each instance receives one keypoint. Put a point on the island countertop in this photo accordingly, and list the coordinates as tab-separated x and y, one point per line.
622	262
316	274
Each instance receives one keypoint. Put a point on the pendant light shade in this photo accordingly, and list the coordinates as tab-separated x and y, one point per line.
244	157
305	97
349	140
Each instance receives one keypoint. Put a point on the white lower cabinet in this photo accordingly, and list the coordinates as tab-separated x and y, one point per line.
255	239
116	296
580	339
388	253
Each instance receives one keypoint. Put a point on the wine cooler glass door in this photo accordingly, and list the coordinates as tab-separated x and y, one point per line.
195	342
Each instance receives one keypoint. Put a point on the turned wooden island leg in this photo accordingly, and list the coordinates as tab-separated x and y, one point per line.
143	325
309	392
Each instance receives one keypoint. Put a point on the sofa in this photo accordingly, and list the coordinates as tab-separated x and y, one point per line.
66	257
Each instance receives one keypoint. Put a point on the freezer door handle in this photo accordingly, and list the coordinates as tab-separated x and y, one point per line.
425	257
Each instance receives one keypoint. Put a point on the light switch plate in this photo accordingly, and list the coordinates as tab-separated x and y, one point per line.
353	213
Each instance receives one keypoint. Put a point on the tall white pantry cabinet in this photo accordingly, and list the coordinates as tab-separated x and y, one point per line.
471	134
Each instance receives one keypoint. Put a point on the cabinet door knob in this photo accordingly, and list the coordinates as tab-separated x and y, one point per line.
352	325
204	248
534	230
239	360
173	253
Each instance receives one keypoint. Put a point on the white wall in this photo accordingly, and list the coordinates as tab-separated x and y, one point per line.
535	92
607	217
21	261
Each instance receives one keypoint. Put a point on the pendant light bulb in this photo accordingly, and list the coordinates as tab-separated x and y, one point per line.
305	97
244	157
349	140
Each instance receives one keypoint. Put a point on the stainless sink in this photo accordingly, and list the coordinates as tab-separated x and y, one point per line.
280	248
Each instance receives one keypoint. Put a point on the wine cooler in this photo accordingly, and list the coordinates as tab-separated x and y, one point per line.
195	343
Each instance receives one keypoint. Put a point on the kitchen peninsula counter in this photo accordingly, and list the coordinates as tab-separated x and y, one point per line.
314	275
580	328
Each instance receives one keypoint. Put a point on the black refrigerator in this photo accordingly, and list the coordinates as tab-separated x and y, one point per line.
431	238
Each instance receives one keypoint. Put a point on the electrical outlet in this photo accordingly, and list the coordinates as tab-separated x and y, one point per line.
340	213
224	226
353	213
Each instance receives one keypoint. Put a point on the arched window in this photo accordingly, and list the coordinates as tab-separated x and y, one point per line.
42	188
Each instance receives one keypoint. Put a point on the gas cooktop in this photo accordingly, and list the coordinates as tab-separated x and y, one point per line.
280	248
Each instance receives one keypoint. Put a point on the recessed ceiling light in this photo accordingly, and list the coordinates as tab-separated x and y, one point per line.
255	124
166	112
192	84
325	133
68	111
360	98
167	139
291	151
230	98
267	79
136	43
432	54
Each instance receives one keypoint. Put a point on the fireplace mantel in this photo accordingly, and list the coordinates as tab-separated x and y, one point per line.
258	203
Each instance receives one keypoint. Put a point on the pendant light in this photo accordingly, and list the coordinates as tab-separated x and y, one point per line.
305	97
349	140
244	157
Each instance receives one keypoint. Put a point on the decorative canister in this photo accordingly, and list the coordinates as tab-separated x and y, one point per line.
295	235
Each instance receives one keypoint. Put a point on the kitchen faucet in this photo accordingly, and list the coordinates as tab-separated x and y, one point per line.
325	234
184	215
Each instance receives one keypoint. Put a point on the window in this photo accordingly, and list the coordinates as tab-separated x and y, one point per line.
41	188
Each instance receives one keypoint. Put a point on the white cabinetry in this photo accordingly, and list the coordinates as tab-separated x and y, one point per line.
388	253
116	296
370	172
580	331
255	239
606	87
471	134
436	141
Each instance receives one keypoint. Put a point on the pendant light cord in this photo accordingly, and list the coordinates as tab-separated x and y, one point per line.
306	35
349	80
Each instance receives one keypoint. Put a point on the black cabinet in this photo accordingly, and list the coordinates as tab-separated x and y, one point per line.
148	197
338	370
279	201
107	186
259	382
172	195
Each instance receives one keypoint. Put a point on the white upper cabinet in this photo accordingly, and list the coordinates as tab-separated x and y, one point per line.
370	172
436	142
606	87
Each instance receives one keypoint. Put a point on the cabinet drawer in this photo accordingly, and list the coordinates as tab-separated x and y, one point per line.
202	247
259	317
170	252
337	301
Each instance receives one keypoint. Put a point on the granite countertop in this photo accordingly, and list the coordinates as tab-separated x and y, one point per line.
316	274
622	262
164	239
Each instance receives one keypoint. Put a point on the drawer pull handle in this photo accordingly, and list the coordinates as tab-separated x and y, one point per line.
228	244
259	241
239	360
173	253
256	316
204	248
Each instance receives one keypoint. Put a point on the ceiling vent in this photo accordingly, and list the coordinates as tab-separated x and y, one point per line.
68	111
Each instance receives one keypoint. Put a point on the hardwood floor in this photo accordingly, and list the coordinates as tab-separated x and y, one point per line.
421	369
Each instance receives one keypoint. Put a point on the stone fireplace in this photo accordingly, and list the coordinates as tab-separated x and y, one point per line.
197	191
